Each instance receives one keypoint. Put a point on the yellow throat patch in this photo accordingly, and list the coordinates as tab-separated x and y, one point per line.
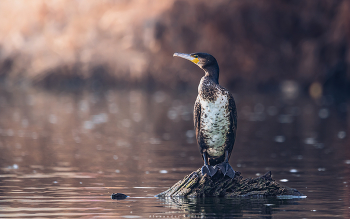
195	60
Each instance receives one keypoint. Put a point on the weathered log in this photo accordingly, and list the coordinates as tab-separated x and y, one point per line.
197	185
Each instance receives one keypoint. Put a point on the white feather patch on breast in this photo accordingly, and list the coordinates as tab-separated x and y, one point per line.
215	124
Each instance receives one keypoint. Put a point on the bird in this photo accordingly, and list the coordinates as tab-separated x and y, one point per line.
215	117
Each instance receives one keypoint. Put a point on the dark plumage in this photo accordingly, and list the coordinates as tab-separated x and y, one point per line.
215	117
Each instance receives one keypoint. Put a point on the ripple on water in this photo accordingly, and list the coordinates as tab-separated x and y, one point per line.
56	177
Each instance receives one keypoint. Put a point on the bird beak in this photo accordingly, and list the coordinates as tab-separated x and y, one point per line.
187	56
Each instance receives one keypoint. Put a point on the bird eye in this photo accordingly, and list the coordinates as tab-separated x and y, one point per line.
196	56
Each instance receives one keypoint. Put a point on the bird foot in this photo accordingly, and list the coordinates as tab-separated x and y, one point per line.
226	169
210	170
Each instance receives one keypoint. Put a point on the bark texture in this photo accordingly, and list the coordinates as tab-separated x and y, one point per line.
197	185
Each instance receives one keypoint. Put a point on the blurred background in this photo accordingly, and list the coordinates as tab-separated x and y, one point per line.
92	102
258	44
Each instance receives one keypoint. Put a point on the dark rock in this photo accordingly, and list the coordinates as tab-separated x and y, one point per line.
118	196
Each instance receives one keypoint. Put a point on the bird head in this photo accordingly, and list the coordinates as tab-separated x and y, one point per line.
205	61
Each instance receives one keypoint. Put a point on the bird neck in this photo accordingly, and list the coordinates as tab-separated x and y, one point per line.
212	72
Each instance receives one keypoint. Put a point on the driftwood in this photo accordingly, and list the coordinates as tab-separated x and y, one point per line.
197	185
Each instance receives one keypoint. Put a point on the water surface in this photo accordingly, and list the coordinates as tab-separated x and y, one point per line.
64	154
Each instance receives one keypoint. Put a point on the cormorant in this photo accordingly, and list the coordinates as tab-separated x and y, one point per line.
215	117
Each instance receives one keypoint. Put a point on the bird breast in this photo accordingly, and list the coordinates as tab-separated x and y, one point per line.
215	124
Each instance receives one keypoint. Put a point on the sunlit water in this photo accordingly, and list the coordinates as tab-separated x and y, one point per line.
63	155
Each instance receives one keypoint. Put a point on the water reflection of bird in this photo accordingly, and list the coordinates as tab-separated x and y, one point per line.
215	117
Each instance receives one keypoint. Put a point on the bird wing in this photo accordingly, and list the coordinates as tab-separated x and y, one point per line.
197	119
230	141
